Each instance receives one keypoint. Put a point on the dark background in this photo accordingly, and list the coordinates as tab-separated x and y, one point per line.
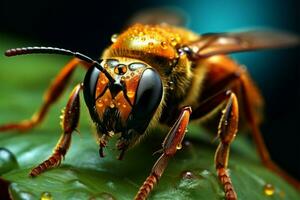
87	27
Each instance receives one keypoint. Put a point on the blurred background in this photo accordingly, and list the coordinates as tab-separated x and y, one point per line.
87	27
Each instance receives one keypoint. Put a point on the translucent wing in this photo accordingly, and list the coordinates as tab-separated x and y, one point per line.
223	43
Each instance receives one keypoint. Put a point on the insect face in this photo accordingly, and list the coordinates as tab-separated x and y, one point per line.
127	104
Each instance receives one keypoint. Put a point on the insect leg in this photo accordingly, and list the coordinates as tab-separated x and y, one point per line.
225	74
69	123
170	145
228	125
51	95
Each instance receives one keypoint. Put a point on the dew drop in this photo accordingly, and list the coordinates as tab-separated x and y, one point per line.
163	45
187	175
173	41
226	123
122	78
8	161
105	100
130	94
150	44
171	85
102	196
187	143
124	106
269	189
178	38
135	31
46	196
100	105
102	81
112	105
114	38
179	146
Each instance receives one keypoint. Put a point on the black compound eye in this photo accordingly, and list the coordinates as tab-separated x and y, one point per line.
148	98
89	91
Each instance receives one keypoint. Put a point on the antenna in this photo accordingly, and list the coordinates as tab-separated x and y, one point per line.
55	50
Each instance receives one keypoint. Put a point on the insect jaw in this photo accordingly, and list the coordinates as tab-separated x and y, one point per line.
122	144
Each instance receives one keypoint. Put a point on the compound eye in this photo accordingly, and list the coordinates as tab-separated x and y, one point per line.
89	91
148	97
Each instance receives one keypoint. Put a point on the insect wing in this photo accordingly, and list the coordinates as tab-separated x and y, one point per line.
223	43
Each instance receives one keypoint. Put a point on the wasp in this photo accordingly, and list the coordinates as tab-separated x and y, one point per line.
161	74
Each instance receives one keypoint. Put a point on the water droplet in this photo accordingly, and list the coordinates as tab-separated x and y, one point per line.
124	106
150	44
122	78
112	105
135	31
226	123
114	38
102	81
141	33
118	103
46	196
179	146
178	38
8	161
105	100
187	143
163	45
130	94
187	175
173	41
102	196
171	85
100	105
269	189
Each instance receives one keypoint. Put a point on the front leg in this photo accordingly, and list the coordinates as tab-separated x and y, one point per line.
170	145
69	123
227	129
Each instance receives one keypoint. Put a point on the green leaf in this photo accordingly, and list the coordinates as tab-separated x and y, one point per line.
84	175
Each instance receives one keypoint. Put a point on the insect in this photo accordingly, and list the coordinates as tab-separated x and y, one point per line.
159	73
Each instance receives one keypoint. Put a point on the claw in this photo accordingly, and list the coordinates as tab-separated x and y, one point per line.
101	153
102	143
122	146
121	156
